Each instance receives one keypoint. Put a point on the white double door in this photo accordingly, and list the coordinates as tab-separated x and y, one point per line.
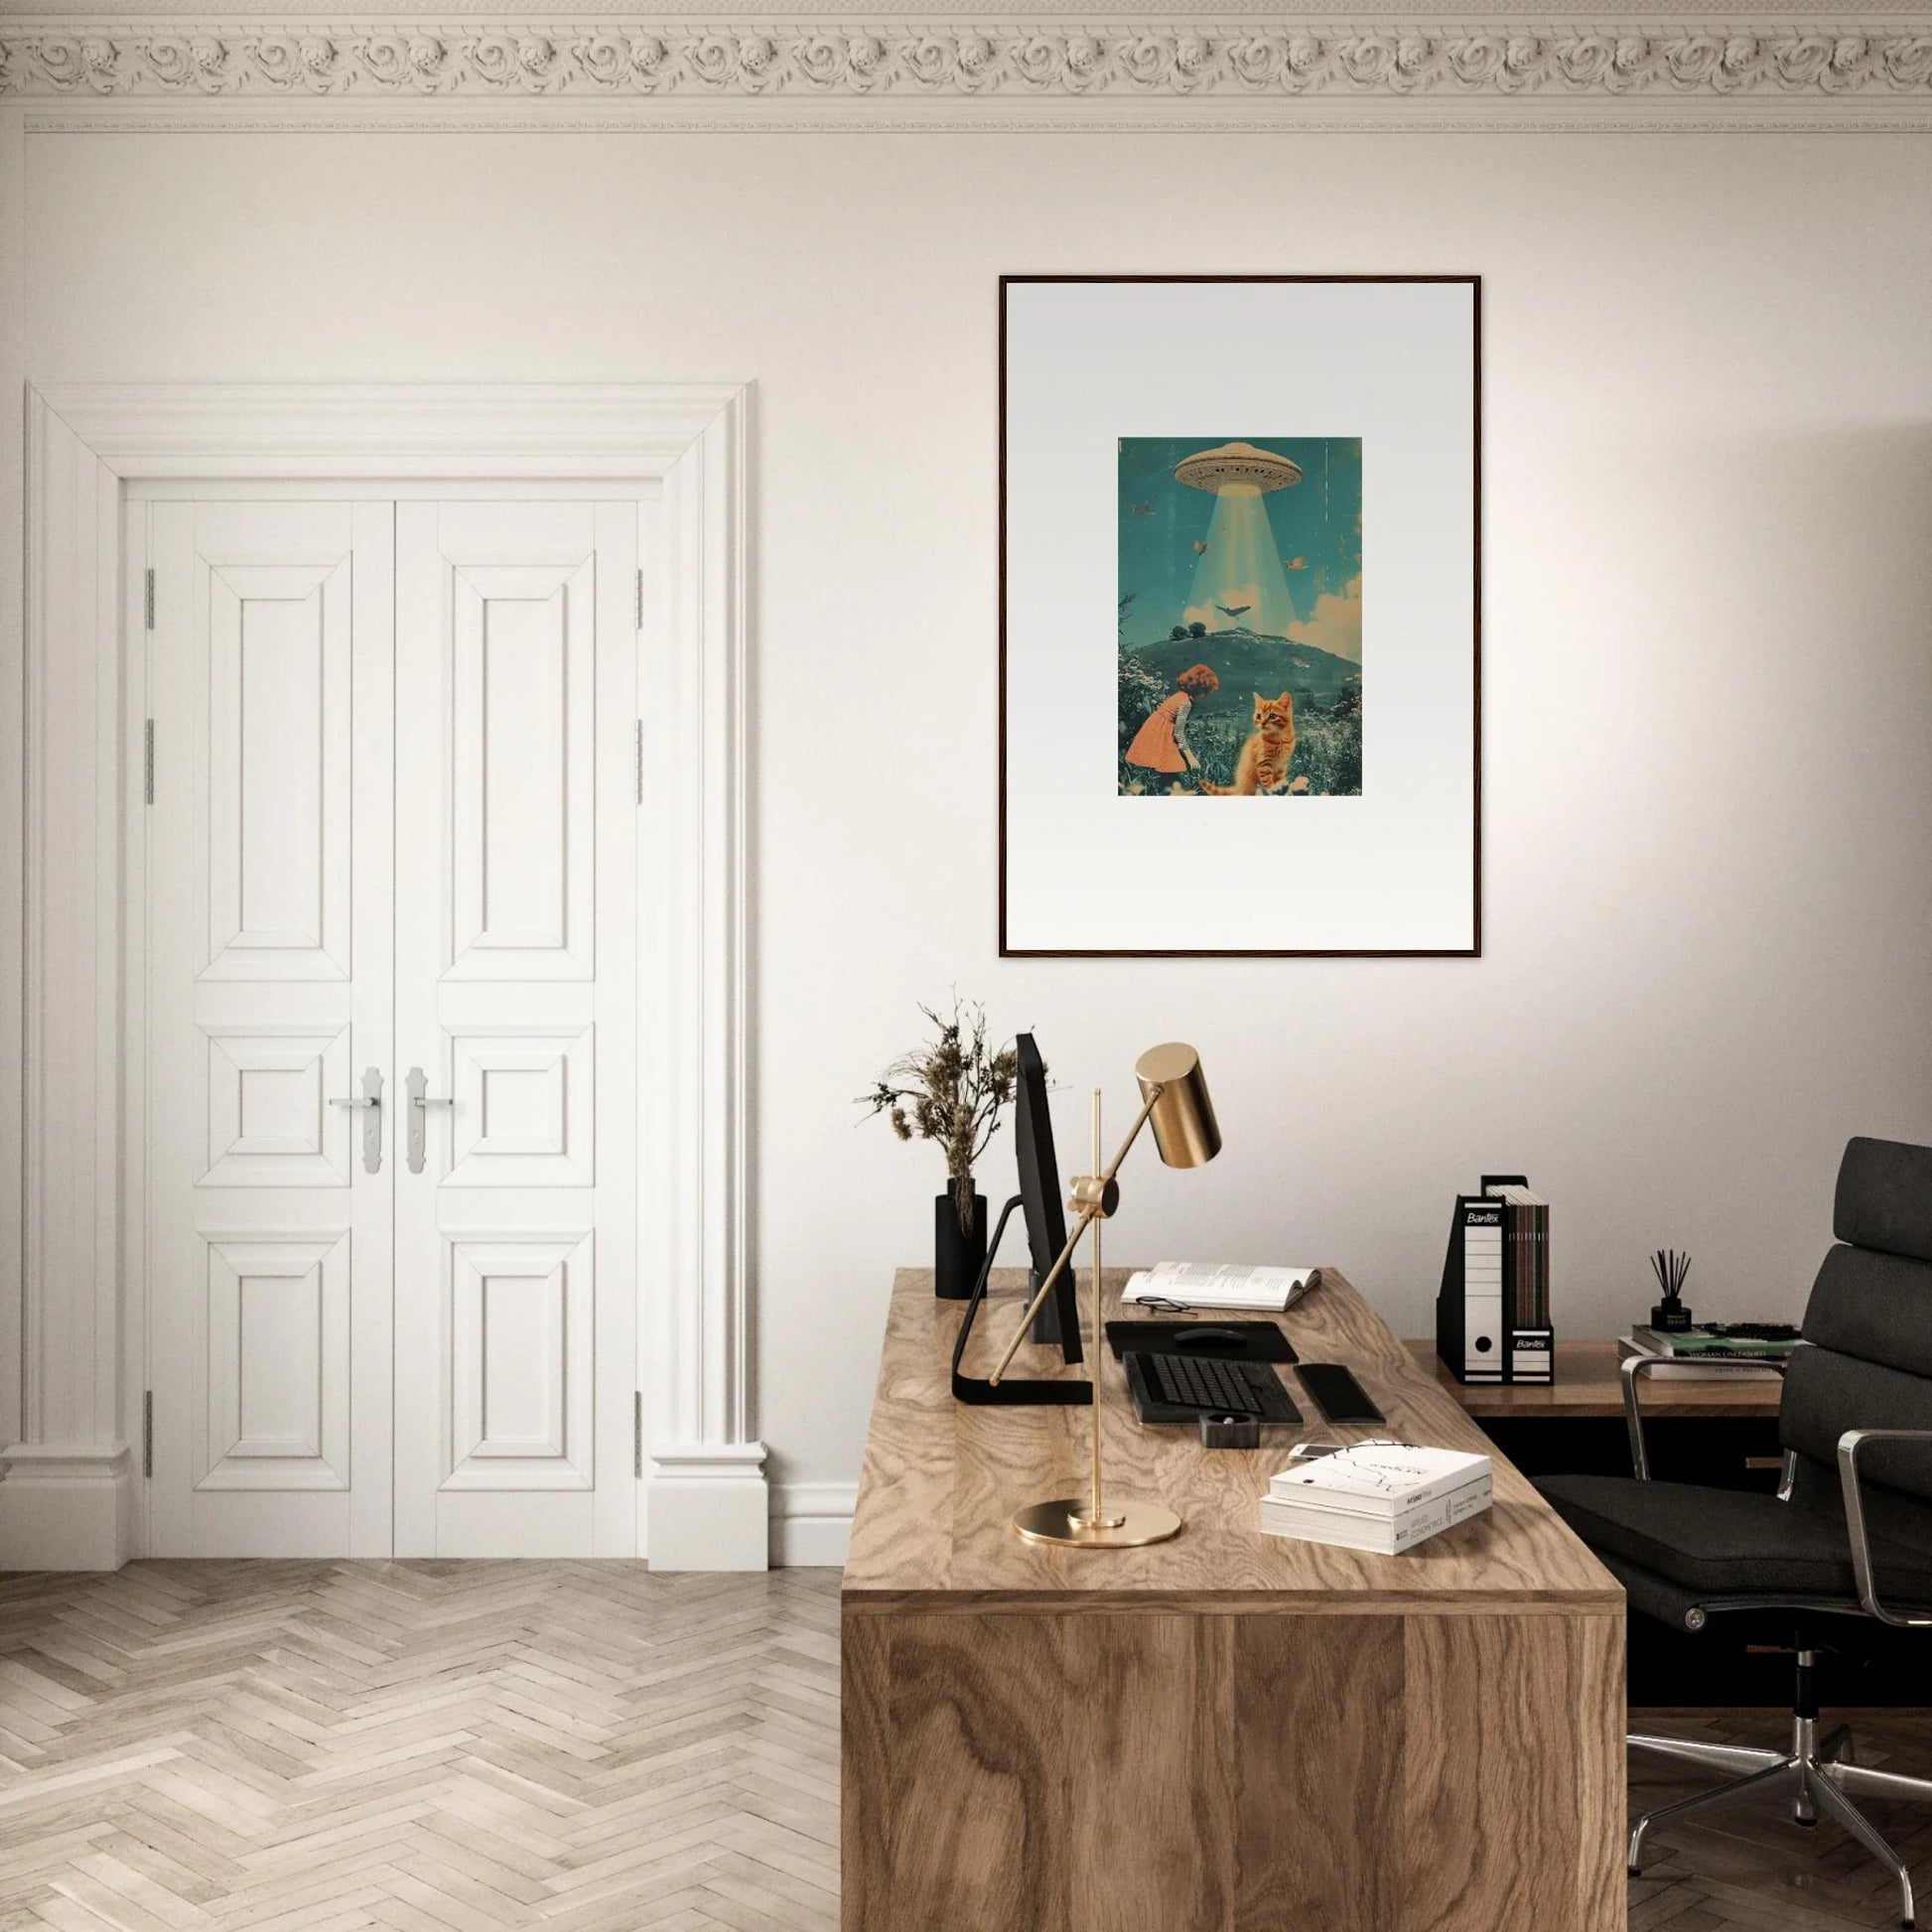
390	1096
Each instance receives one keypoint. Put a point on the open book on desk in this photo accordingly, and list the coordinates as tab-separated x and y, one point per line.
1219	1285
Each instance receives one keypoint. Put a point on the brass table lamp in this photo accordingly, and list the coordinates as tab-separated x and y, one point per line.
1174	1101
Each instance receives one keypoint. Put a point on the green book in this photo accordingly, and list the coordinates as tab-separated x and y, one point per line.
1701	1341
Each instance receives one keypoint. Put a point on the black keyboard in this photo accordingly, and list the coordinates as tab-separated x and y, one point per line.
1214	1387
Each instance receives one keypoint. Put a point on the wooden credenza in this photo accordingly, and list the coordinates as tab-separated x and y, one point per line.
1227	1732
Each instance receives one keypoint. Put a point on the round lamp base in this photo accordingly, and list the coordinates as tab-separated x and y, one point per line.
1062	1521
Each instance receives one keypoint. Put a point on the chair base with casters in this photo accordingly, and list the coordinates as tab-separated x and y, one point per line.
1844	1545
1817	1776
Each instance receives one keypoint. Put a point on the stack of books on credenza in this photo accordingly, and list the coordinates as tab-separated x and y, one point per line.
1381	1496
1691	1354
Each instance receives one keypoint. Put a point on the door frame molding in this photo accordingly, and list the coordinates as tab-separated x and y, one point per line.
71	1428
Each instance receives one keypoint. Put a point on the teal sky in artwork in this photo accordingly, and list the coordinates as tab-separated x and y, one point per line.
1270	560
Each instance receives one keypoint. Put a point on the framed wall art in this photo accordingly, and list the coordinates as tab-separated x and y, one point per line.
1240	526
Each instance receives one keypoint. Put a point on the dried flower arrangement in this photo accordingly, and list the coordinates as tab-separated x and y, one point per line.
951	1090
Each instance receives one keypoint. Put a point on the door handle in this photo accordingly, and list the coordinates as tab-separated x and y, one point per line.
420	1102
370	1098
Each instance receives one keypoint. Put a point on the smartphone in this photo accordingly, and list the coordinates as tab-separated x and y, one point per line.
1337	1393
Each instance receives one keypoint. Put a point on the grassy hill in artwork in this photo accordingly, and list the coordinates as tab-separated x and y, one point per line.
1247	661
1327	704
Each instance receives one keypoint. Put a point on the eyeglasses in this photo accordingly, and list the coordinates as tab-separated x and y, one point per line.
1312	1452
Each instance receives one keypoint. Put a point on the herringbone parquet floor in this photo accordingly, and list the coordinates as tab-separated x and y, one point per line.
464	1747
1752	1869
316	1746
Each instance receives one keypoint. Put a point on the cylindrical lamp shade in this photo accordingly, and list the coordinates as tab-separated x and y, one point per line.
1184	1127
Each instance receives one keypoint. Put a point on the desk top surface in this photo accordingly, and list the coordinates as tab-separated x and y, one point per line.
1588	1385
941	1479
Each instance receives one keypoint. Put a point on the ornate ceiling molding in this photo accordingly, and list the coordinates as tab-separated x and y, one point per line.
1816	68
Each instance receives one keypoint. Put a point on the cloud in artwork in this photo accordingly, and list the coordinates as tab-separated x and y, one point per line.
1245	597
1336	625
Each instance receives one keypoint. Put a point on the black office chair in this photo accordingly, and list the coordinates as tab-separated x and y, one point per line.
1849	1536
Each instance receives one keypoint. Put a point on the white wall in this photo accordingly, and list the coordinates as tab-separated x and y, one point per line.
1707	380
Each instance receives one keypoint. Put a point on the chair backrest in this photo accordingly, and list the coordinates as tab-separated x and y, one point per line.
1870	1326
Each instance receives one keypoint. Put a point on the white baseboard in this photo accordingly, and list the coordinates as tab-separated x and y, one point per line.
709	1507
811	1524
65	1506
73	1509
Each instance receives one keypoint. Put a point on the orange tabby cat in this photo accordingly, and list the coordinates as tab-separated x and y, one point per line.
1263	764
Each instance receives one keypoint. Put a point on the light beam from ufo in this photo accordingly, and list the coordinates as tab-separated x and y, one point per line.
1242	563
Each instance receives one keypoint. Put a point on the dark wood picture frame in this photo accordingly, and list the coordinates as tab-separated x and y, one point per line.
1474	950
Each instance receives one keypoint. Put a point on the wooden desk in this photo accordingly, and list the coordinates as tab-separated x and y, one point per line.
1227	1732
1588	1385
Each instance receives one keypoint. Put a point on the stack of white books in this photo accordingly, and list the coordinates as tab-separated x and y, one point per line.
1219	1285
1381	1496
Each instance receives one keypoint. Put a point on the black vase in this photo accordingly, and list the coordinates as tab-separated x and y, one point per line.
957	1255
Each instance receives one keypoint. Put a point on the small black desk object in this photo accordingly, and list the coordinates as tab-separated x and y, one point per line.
1340	1398
1226	1342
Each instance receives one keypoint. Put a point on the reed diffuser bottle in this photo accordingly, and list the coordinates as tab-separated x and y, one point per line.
1670	1314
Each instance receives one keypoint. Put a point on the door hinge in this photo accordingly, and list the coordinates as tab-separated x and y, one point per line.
147	759
640	761
640	599
147	1432
150	600
637	1433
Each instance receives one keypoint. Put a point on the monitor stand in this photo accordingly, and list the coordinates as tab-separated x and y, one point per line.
1011	1391
1046	1323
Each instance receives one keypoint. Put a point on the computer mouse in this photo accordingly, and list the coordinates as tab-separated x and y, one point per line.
1209	1338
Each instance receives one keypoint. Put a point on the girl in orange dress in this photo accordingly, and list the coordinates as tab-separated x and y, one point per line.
1160	744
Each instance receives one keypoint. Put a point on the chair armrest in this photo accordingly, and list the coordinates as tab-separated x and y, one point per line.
1634	1367
1848	1446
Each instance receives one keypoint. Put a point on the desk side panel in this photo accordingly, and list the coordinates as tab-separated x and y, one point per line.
864	1774
1317	1720
1514	1773
957	1816
1233	1774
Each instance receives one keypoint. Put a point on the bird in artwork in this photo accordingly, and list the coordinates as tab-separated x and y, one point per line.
1296	563
1236	611
1201	549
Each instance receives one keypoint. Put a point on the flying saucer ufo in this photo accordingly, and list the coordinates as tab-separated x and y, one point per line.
1239	465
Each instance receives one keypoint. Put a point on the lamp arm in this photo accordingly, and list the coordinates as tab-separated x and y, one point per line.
1088	1216
1133	1134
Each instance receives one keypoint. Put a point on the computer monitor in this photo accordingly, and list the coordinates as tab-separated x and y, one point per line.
1039	1195
1038	1201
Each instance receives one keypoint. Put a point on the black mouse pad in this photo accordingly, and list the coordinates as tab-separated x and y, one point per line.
1227	1342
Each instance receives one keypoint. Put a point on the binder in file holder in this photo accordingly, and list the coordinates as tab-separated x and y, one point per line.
1493	1316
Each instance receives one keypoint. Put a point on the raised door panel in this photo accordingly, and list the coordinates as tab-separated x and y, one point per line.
276	1361
278	773
517	625
270	1121
269	994
524	1107
523	769
522	1320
